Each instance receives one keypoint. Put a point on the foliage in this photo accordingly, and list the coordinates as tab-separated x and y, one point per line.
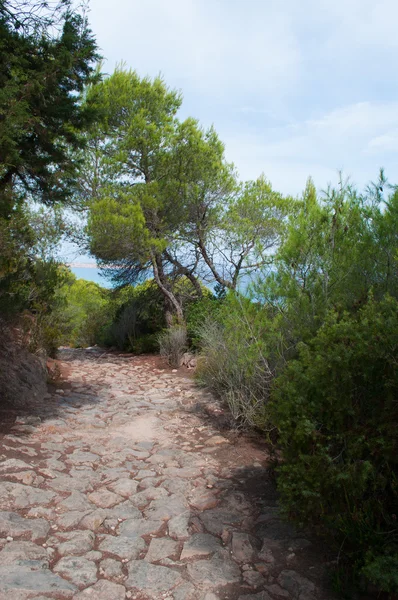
170	204
47	60
84	312
47	53
173	343
234	343
335	407
137	318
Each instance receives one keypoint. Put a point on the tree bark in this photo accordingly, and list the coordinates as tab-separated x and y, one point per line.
168	294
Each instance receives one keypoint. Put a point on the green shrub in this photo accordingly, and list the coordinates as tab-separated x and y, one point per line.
137	318
336	410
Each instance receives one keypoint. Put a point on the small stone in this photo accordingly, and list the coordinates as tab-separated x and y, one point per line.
253	578
296	584
242	549
111	569
203	500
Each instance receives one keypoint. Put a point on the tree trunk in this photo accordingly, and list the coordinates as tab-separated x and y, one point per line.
168	294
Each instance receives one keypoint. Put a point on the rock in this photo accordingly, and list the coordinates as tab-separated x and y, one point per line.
254	579
151	579
78	570
124	510
266	554
215	520
160	548
13	464
214	573
124	487
78	457
133	527
215	440
70	520
16	578
277	591
94	520
103	498
112	569
144	473
145	496
22	553
64	483
75	543
178	526
103	590
259	596
298	586
76	501
16	526
185	591
123	547
203	500
200	545
242	549
16	495
165	509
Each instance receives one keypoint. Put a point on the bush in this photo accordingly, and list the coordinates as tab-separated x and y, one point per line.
235	363
173	344
336	410
138	317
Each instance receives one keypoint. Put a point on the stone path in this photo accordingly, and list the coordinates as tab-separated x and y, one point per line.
118	484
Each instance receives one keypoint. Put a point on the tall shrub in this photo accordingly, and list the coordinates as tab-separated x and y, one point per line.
336	409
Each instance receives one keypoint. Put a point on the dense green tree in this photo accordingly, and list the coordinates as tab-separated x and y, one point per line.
47	58
170	204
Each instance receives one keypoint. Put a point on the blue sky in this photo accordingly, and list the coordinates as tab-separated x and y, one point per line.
294	87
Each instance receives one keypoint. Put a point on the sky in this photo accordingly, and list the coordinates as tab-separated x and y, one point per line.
294	88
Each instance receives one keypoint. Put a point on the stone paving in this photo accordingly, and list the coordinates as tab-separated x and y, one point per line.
118	485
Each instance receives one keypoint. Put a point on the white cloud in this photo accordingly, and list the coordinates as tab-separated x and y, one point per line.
212	46
356	139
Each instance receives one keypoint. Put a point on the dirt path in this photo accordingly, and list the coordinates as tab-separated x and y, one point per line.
120	485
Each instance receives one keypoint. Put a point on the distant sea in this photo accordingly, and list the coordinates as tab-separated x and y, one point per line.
91	275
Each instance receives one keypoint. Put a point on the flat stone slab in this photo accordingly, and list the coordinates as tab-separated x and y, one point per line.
103	498
12	524
122	546
23	552
215	573
19	578
73	543
200	545
151	579
102	590
140	527
78	570
17	495
161	548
